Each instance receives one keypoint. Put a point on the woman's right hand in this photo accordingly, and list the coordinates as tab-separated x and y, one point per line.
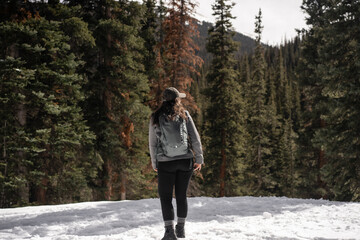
155	169
197	166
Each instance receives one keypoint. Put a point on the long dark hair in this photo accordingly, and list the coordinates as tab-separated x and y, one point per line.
171	109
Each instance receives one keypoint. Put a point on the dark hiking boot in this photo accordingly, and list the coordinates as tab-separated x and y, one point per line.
169	233
180	231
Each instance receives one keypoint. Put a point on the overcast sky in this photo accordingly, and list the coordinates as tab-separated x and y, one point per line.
280	17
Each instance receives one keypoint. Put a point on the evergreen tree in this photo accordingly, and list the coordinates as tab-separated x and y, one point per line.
224	118
180	59
334	24
48	141
276	160
287	141
258	125
312	157
122	91
148	33
282	100
244	76
161	81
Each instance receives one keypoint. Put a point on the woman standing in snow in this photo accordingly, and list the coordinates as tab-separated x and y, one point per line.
171	126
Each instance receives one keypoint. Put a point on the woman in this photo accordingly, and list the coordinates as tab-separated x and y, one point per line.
174	165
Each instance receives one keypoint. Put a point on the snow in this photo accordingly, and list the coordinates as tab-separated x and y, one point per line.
232	218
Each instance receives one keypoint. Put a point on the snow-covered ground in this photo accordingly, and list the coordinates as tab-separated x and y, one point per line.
234	218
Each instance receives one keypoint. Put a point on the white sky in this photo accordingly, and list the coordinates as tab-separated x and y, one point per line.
280	17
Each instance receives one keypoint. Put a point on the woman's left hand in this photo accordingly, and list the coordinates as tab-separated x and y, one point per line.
197	167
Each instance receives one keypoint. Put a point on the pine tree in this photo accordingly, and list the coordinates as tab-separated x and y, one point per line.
224	118
283	102
42	110
179	56
334	24
244	76
148	33
312	157
258	127
123	89
276	159
288	135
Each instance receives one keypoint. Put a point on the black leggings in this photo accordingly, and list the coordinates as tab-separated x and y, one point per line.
178	173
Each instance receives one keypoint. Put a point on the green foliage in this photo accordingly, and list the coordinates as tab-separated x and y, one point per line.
224	119
257	124
267	79
40	71
123	92
76	79
331	50
148	34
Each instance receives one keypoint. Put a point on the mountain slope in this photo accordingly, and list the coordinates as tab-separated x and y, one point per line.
247	44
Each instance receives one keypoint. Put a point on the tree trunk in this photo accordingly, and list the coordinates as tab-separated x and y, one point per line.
123	186
2	201
321	162
21	120
109	181
41	191
109	193
223	165
22	169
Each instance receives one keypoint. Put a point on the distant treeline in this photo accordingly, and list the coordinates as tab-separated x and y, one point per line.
79	80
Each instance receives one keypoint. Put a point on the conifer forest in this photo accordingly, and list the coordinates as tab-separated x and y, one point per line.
80	79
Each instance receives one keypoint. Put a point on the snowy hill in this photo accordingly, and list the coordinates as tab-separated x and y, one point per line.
209	218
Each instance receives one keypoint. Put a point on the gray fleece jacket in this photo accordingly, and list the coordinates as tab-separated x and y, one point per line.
154	132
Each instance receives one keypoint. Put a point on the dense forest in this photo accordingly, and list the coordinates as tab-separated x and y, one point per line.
79	80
